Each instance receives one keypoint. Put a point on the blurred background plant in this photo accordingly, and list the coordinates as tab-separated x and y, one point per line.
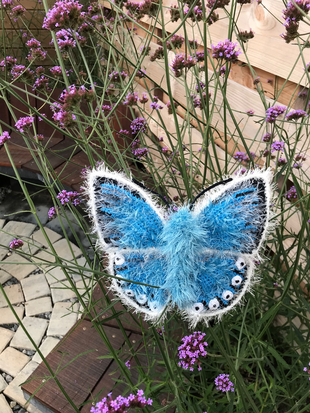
141	88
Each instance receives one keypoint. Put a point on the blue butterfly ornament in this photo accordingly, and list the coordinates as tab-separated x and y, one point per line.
199	258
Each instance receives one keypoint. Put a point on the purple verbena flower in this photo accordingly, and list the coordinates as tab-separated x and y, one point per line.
127	364
273	112
243	156
267	137
16	243
223	383
291	194
131	99
24	123
307	369
4	137
67	197
277	146
226	50
296	114
281	161
250	112
138	125
120	404
191	350
52	212
65	13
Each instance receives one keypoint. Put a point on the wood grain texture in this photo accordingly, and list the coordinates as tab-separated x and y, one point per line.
78	369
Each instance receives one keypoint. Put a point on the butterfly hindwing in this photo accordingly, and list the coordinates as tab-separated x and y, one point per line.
147	267
221	283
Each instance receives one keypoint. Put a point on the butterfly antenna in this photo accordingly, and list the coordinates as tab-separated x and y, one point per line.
209	188
152	192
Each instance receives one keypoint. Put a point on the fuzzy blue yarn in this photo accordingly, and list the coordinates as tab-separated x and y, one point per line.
181	266
128	220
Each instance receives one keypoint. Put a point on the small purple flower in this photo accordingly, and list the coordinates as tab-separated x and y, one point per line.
4	137
273	112
291	194
131	99
267	137
67	197
243	156
281	161
250	112
65	13
223	383
52	212
165	149
156	106
307	369
277	146
127	364
226	50
296	114
24	123
192	348
108	405
16	243
138	124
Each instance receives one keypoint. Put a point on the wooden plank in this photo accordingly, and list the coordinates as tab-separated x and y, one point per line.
59	154
99	305
76	361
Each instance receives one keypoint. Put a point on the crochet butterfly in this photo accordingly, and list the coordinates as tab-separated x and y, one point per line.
200	258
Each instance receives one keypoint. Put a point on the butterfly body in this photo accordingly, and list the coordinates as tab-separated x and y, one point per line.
199	258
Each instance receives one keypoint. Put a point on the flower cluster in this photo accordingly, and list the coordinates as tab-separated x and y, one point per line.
67	197
158	54
64	14
176	41
62	117
41	84
296	114
16	243
52	212
138	125
223	383
118	76
226	51
243	156
127	364
267	137
4	137
219	3
24	123
192	348
17	11
181	62
291	193
121	404
273	112
72	97
131	99
245	35
8	62
292	16
56	71
277	146
307	370
169	106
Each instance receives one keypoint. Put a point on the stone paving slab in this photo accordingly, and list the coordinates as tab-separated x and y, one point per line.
36	328
61	291
38	306
77	274
42	257
54	274
14	391
12	361
7	316
2	222
21	267
52	236
35	286
4	276
4	405
19	229
3	385
63	251
14	294
5	337
46	347
64	316
30	246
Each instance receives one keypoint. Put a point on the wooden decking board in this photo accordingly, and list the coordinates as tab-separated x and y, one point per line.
126	318
81	376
